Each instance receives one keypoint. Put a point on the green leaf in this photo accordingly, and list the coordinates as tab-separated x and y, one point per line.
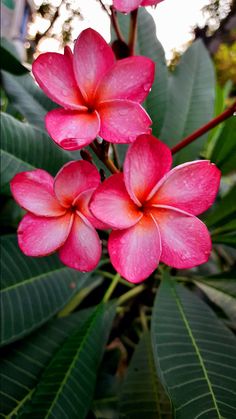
190	100
194	353
33	290
9	62
221	94
10	4
148	45
142	394
221	293
227	239
24	147
223	213
67	385
23	99
224	152
23	362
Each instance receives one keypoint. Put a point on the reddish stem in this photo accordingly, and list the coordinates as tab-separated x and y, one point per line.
104	158
133	31
196	134
116	26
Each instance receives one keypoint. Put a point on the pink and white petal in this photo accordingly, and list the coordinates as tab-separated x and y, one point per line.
73	178
112	205
185	240
93	57
82	205
135	252
72	130
147	160
82	250
40	236
122	121
54	74
33	191
130	78
191	187
150	2
126	6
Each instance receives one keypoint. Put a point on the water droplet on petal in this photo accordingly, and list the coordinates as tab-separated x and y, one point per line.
146	87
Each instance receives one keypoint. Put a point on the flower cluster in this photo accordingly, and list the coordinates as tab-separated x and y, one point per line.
150	208
100	96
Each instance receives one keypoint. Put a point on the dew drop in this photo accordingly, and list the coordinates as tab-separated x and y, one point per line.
123	112
146	87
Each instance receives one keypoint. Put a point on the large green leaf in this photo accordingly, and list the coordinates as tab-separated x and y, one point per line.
33	290
23	362
221	218
222	293
148	45
24	147
194	353
9	62
142	395
190	100
221	95
224	152
67	385
23	101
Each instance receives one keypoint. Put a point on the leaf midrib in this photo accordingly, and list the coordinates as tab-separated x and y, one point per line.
201	361
32	279
13	156
64	381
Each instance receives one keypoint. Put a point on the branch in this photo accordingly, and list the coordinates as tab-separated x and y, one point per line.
104	158
133	31
213	123
116	26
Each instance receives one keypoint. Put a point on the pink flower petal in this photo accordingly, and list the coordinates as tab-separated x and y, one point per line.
122	121
185	239
93	57
73	178
131	78
191	187
40	236
150	2
72	130
112	205
82	250
126	6
147	160
33	191
54	74
135	252
82	205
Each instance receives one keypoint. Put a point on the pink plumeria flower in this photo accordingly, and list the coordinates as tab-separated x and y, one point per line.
152	209
100	96
126	6
58	217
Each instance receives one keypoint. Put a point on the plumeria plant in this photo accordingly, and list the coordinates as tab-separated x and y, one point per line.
119	286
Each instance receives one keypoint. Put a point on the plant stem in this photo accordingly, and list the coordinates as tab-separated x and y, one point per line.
196	134
111	276
130	294
115	154
111	288
133	31
104	158
104	7
116	26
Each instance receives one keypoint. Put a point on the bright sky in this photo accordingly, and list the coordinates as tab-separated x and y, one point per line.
174	20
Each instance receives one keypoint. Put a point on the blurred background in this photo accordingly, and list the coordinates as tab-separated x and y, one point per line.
36	26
